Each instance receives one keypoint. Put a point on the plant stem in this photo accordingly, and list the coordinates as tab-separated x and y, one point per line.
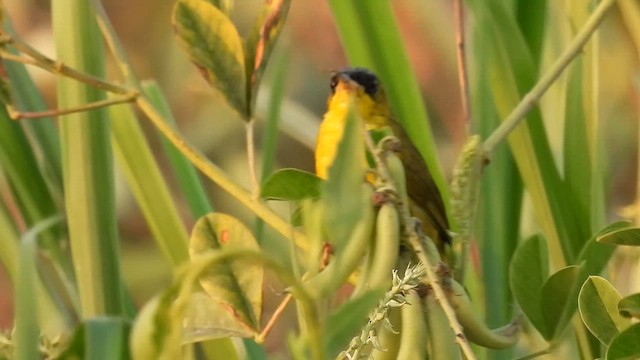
16	115
40	60
219	177
463	76
251	158
272	321
530	100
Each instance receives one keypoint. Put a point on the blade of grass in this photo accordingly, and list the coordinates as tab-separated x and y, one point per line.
271	132
148	186
87	164
188	179
26	321
28	98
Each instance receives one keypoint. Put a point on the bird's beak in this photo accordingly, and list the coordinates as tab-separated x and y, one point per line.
345	81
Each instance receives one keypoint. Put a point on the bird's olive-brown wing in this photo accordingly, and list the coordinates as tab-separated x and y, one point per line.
421	188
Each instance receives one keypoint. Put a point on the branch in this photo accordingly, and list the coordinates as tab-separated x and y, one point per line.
530	100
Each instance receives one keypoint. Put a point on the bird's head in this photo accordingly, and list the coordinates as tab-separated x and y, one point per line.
361	88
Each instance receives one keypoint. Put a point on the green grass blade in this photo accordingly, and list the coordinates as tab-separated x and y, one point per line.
19	164
87	163
499	212
26	321
270	138
188	179
148	186
27	97
352	35
8	243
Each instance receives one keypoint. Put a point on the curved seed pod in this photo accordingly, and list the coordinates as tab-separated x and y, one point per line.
389	337
396	170
413	333
442	340
387	247
345	262
477	331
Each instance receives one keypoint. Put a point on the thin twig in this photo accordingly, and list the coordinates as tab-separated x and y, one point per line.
36	58
463	76
530	100
418	248
16	115
251	158
272	321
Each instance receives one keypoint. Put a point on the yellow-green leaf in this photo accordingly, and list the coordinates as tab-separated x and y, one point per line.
214	46
237	285
261	41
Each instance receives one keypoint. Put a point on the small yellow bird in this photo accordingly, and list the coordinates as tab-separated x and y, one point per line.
362	88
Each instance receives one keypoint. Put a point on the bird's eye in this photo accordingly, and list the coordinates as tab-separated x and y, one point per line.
333	84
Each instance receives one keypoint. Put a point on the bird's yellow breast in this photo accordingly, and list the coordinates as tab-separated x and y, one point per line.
332	126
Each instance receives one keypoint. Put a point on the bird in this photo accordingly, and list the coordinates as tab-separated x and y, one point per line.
361	89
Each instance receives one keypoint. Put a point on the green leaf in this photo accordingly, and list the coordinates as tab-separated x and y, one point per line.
153	335
188	179
99	338
224	5
630	306
626	345
261	41
558	300
291	185
214	46
237	285
527	272
147	184
598	305
205	320
625	236
341	192
594	255
345	322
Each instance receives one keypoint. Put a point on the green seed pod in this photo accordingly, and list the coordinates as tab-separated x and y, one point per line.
387	247
413	333
345	262
442	340
477	331
389	337
396	170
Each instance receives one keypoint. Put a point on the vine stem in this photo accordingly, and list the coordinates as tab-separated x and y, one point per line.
530	100
418	248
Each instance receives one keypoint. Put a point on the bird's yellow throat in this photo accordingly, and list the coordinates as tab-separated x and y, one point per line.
346	95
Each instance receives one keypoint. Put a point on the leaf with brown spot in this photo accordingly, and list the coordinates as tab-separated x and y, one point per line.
236	285
261	41
214	45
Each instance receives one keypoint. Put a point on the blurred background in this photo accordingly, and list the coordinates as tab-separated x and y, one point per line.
310	48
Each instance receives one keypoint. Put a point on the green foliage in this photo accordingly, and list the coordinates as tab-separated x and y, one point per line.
237	285
291	185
